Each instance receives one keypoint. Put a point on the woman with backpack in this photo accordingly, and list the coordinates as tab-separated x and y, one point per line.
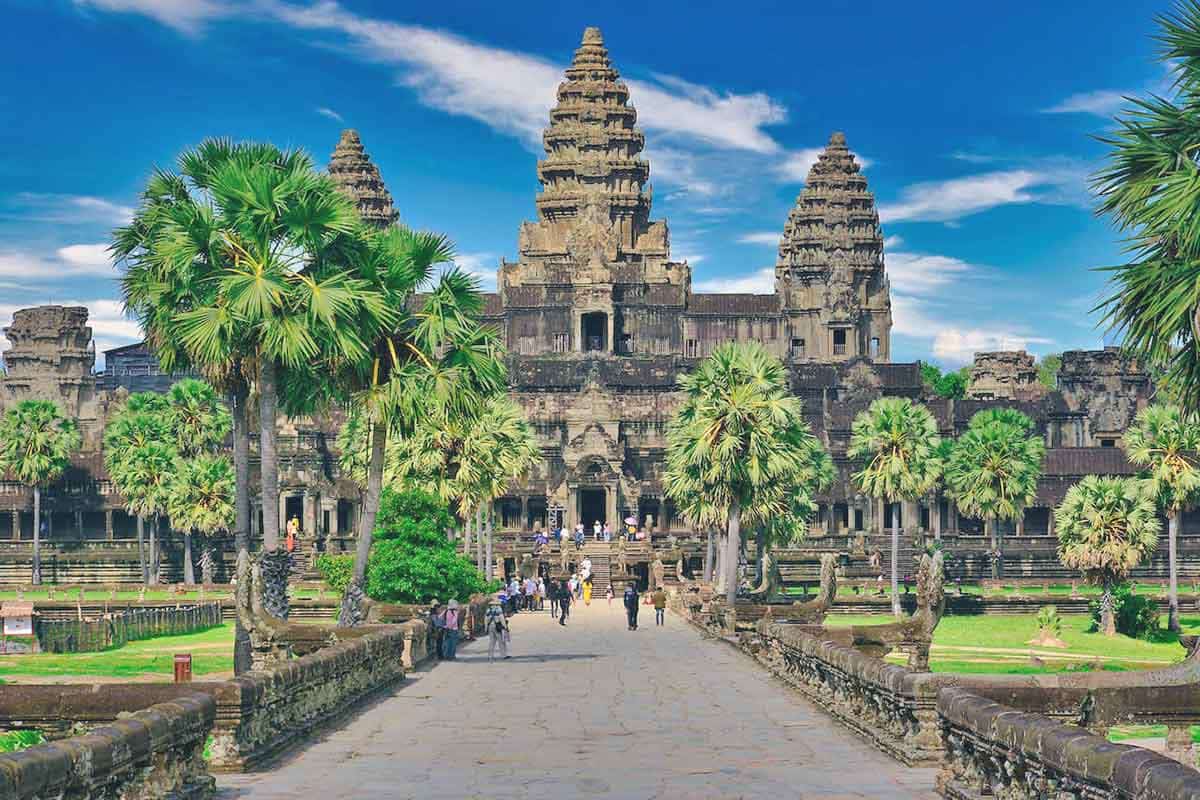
497	627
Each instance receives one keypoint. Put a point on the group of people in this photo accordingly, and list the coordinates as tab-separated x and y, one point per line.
447	624
528	594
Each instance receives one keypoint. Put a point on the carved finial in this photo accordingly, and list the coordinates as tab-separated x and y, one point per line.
592	35
838	139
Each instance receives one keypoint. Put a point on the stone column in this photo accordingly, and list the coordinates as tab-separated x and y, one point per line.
16	525
108	524
524	524
610	506
333	520
829	519
283	520
571	512
935	513
309	522
1021	523
78	524
1050	524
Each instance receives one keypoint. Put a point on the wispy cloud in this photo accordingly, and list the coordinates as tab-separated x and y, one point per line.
770	238
958	346
1057	181
758	282
795	166
186	16
481	265
66	209
329	112
1101	103
71	261
890	242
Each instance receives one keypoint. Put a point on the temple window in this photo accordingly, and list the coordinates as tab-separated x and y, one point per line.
1108	442
839	342
797	348
690	348
874	346
561	342
594	329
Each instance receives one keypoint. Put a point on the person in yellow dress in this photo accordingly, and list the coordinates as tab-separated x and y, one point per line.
587	592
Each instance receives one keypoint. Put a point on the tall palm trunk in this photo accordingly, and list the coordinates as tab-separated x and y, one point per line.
274	562
479	560
141	533
1108	622
268	453
154	550
1173	570
466	549
351	613
719	561
896	560
189	571
36	578
732	547
490	566
239	398
708	558
997	553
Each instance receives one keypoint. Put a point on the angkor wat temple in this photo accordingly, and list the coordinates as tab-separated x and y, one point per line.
599	321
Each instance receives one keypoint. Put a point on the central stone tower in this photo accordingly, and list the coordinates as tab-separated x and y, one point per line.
594	273
830	276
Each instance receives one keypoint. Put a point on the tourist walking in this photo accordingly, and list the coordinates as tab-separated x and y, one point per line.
631	606
453	620
552	592
607	533
530	594
587	590
596	530
541	594
564	604
609	594
660	605
579	536
497	628
514	595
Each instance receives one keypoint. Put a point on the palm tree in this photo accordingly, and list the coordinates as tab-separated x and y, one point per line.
1149	189
1166	440
896	441
36	443
198	418
141	421
737	438
201	501
993	470
1106	527
255	250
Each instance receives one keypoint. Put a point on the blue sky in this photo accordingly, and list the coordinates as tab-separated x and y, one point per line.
976	122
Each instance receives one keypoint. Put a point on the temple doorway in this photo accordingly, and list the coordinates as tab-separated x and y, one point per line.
595	329
591	507
294	509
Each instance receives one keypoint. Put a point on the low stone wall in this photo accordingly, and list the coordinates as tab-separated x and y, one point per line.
261	713
995	751
158	752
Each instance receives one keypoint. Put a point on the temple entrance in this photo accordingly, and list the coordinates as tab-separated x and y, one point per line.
595	329
591	507
294	509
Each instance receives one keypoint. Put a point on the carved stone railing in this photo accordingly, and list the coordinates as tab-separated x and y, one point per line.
995	751
158	752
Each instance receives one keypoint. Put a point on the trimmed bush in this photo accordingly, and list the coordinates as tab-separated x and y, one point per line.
1136	615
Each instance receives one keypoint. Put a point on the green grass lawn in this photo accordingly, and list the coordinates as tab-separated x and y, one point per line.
192	595
149	659
999	644
846	590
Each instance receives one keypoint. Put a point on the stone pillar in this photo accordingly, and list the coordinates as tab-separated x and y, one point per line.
78	524
108	524
829	519
333	520
935	517
524	524
610	506
16	525
309	522
1021	523
283	520
1050	524
571	512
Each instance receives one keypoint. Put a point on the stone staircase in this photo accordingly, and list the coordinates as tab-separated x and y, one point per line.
601	555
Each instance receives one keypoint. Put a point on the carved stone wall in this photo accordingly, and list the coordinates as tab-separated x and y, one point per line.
1005	375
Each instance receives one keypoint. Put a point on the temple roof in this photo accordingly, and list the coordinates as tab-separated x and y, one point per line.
359	179
834	222
733	304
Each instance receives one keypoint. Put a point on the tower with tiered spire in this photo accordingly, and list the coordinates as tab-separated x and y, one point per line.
593	262
359	179
829	275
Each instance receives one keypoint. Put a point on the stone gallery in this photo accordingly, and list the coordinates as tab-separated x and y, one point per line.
599	322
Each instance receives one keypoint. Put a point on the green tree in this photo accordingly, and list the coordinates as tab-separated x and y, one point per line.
896	443
1166	441
1106	527
738	438
245	264
201	501
993	470
36	443
1047	368
950	384
140	422
1149	188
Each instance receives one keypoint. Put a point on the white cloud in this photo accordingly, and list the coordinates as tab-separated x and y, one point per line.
760	237
482	266
329	112
892	241
959	346
513	92
692	259
186	16
920	273
67	262
794	168
1101	103
760	282
70	209
943	201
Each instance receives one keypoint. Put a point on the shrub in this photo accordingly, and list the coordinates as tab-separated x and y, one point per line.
335	570
1048	621
1136	615
13	741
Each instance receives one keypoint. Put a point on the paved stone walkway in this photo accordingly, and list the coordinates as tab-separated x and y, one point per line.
589	711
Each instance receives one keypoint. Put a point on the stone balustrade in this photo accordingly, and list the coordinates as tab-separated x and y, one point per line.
992	750
157	752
